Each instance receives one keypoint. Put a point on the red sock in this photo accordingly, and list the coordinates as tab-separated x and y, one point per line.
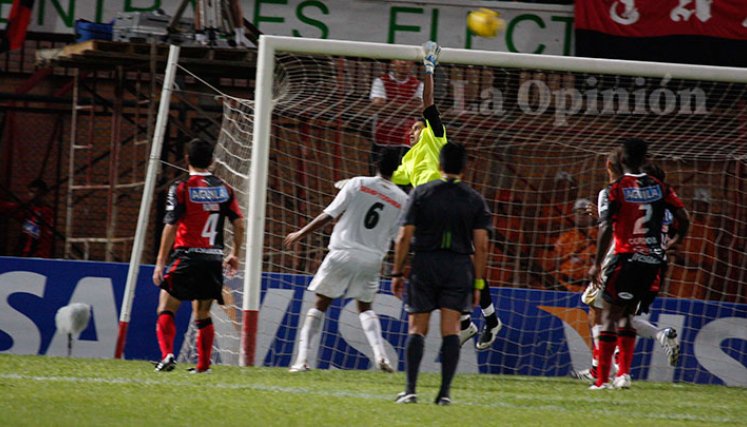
626	343
607	344
205	335
165	332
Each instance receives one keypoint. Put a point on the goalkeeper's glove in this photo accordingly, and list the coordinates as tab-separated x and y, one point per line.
431	50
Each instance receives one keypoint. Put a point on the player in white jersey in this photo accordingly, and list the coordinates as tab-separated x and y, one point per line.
367	210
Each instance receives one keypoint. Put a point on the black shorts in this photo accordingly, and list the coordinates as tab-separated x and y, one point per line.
653	291
440	280
628	279
193	275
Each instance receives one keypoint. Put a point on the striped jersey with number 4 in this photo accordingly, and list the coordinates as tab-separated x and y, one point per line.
636	205
199	207
367	210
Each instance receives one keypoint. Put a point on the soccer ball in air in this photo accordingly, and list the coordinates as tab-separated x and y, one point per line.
485	22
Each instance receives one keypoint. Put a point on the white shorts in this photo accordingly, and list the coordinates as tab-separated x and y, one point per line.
597	301
354	274
592	297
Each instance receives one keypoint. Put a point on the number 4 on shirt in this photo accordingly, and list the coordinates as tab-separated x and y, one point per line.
210	230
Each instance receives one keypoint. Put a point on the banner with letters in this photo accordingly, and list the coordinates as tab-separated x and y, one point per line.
546	332
530	28
690	31
725	19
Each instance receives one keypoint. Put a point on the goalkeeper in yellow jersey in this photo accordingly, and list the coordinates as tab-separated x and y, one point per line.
427	135
420	165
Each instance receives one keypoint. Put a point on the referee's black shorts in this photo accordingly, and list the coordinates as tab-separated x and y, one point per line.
440	279
194	275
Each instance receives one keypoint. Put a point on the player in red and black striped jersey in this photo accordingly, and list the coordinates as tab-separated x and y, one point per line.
633	215
195	214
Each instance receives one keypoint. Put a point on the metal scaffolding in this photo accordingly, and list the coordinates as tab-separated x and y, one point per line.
115	98
131	111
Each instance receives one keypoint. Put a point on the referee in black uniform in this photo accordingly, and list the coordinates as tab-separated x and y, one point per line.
447	222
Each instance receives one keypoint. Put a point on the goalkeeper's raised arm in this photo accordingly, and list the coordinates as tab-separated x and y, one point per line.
427	135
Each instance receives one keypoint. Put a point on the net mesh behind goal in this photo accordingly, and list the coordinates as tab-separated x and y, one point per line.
537	142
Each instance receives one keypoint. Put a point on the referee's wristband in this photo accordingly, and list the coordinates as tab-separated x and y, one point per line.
395	275
479	284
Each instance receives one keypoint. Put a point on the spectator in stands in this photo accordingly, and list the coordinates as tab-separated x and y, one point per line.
575	249
555	215
731	245
557	207
36	218
736	266
397	95
507	239
237	17
693	262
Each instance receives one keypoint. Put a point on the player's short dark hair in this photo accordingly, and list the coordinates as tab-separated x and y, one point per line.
200	153
453	158
387	161
654	170
39	185
634	151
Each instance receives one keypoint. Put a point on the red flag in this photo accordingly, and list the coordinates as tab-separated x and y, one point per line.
18	22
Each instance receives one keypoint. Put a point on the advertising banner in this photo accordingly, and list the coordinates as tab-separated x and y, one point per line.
530	28
687	31
546	333
725	19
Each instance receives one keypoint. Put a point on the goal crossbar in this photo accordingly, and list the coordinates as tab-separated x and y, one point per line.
506	59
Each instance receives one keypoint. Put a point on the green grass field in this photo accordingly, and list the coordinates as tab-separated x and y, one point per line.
38	390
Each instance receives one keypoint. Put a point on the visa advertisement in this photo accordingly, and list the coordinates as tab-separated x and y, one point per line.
545	333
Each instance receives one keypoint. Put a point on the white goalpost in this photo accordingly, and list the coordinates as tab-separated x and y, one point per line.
538	129
154	164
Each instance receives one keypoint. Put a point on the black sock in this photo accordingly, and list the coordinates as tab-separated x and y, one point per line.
449	361
485	298
203	323
466	321
486	301
415	345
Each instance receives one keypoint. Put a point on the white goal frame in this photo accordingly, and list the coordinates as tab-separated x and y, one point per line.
269	46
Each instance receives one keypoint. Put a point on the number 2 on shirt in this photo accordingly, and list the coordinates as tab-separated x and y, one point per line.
638	227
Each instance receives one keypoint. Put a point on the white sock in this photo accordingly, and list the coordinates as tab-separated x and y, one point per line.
595	331
487	311
465	316
643	327
372	329
311	326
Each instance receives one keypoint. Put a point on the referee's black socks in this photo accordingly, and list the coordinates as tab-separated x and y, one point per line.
415	345
449	361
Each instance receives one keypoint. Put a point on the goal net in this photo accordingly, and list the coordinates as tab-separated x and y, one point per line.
538	131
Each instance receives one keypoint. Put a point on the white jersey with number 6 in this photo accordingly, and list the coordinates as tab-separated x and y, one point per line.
370	209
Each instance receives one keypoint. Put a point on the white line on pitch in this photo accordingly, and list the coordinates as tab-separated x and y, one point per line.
345	394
